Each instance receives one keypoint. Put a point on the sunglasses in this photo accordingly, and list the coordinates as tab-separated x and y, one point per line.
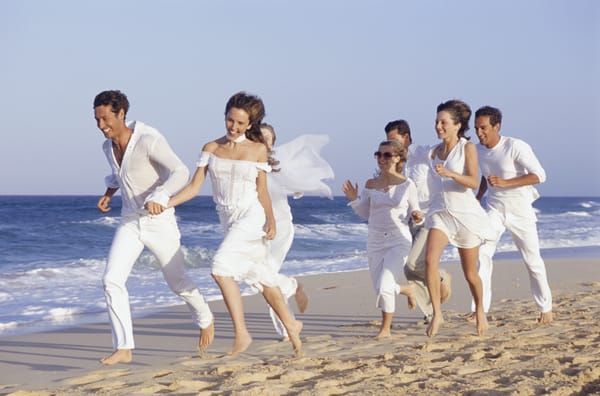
385	154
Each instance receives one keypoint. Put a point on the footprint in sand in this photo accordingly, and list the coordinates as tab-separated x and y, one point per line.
247	378
294	376
97	376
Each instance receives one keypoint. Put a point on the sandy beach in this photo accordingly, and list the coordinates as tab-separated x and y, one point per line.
341	356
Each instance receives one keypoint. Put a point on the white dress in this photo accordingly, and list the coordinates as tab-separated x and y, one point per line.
243	252
389	239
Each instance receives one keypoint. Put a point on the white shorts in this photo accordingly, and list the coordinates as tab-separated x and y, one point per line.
457	234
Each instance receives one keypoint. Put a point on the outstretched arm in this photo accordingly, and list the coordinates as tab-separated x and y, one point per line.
164	157
360	205
191	190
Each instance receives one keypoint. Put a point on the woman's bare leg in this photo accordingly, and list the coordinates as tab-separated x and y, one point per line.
233	300
468	261
293	327
386	325
436	242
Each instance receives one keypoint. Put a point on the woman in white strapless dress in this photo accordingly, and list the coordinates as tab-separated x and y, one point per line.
454	214
238	166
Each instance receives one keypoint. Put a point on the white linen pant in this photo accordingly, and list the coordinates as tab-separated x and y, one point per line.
160	235
387	253
414	269
278	249
523	230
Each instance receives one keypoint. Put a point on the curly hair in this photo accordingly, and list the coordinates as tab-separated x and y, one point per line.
255	109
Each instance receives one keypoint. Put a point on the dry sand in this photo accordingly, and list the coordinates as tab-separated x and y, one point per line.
516	357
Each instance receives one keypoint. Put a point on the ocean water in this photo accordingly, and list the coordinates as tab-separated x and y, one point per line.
53	251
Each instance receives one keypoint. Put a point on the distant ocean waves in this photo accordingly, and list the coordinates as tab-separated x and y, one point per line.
54	251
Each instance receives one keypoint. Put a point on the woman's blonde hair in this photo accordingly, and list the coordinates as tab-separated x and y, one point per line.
399	150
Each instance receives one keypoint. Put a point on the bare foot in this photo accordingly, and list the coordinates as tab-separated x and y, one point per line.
383	333
301	298
545	317
409	292
434	325
472	317
294	336
446	288
482	323
284	339
240	344
118	356
206	338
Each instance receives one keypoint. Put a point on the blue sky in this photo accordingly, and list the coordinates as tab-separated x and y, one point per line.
341	68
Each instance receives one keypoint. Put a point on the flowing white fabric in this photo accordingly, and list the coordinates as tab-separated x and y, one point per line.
303	169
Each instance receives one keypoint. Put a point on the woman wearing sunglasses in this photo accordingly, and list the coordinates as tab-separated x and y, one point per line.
387	202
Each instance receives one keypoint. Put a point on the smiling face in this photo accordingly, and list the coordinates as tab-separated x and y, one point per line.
237	122
445	126
108	122
386	157
488	134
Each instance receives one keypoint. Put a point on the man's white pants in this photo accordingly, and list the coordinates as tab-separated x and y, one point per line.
160	235
525	236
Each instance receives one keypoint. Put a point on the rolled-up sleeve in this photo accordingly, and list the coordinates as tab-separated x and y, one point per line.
111	181
162	154
527	159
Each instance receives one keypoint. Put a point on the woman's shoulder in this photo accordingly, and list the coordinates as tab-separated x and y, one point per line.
211	146
371	183
469	146
434	150
256	151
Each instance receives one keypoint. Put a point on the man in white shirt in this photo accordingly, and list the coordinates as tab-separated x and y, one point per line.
417	169
148	173
509	170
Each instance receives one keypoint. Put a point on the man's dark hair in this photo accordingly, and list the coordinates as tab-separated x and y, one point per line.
492	112
401	126
117	100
